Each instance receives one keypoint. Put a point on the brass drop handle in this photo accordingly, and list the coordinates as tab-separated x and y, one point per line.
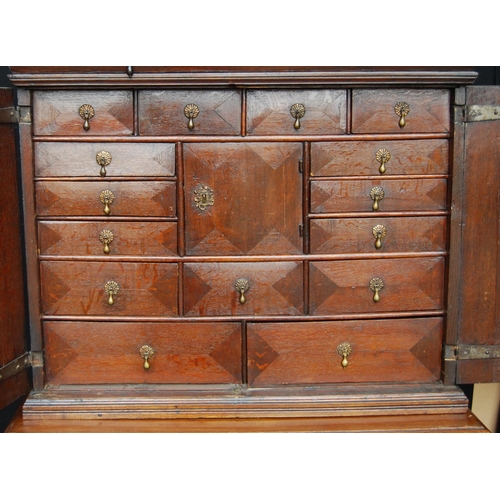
242	286
382	156
297	111
106	237
111	288
146	352
376	194
402	109
379	233
107	198
191	111
344	350
103	159
376	284
87	113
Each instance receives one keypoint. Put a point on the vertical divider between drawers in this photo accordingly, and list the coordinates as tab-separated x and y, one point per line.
348	112
305	204
243	112
135	132
244	353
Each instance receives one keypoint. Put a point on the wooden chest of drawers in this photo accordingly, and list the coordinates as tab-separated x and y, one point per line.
239	245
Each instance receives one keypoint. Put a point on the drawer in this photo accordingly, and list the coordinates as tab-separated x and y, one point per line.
390	234
107	238
352	286
210	289
349	158
296	112
249	211
375	111
382	350
63	159
101	353
85	288
392	194
168	112
90	198
58	112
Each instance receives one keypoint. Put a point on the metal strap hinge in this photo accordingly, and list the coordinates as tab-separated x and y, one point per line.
9	115
477	113
460	352
27	360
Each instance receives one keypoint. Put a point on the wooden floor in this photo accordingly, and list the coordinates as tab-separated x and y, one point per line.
461	422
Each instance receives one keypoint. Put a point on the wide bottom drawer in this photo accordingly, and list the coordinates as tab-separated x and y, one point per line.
381	350
115	353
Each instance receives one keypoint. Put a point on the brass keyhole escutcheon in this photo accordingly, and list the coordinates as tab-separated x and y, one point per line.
402	109
203	198
344	350
382	156
106	237
379	233
107	198
376	194
103	159
111	288
87	113
297	111
376	284
191	111
146	352
242	286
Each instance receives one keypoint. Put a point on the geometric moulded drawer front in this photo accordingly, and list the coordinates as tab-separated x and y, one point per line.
83	113
98	353
100	198
376	285
381	350
108	288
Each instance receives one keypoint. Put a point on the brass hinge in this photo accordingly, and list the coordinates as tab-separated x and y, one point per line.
27	360
477	113
460	352
9	115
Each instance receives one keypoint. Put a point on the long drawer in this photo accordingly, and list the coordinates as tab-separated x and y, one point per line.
110	352
386	350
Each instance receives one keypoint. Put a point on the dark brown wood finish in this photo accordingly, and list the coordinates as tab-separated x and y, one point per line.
57	113
61	159
162	112
257	189
13	334
399	195
268	112
382	351
79	288
373	111
339	159
82	198
108	353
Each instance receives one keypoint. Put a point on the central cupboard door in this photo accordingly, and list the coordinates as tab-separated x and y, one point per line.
243	198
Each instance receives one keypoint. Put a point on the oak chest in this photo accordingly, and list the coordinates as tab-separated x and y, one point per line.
252	242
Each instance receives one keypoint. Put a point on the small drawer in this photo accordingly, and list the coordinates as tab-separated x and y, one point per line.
378	235
240	289
403	111
382	350
107	238
64	113
376	285
62	159
190	112
106	198
296	112
110	353
349	158
108	288
379	195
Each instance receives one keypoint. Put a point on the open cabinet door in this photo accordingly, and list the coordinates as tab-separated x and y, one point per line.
14	356
473	337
